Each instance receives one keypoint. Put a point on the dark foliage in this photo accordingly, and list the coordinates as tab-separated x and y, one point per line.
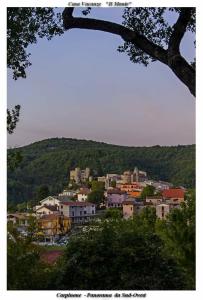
24	26
12	118
117	255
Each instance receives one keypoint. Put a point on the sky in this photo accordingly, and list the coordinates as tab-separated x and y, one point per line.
80	86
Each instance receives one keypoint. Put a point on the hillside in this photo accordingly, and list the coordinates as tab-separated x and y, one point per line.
49	162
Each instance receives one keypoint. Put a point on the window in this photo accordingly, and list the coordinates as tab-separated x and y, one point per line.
93	212
61	206
80	213
72	213
85	212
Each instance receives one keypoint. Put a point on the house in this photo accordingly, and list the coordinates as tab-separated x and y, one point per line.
131	207
130	187
79	212
83	194
53	224
49	201
115	198
68	193
155	200
20	220
47	210
174	195
162	210
159	185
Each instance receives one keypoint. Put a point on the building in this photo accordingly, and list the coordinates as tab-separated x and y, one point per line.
53	224
142	176
79	175
78	212
130	187
136	175
82	195
47	210
126	177
134	194
48	201
131	208
21	221
155	200
159	185
68	193
115	198
162	210
111	178
174	195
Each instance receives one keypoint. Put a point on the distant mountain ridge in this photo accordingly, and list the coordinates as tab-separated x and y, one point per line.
50	161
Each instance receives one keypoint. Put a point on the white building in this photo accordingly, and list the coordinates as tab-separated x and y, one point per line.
82	195
79	212
67	193
48	201
47	210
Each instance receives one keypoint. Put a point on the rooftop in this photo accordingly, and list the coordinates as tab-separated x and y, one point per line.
77	203
173	193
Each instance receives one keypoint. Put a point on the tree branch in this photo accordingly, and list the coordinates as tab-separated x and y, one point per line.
170	57
179	29
126	34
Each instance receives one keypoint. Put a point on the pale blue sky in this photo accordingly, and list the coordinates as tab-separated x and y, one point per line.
79	86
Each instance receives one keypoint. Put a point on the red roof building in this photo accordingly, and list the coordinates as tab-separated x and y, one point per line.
175	194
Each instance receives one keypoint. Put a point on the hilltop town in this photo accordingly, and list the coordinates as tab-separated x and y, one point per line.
88	198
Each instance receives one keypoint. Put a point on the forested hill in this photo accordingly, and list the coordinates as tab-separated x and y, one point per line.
49	162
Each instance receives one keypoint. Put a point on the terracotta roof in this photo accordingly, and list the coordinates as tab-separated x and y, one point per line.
77	203
173	193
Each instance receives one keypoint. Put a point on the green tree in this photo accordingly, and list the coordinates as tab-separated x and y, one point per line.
96	197
146	218
113	184
97	185
42	192
25	270
22	207
178	234
113	213
134	258
12	118
13	158
24	26
147	191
